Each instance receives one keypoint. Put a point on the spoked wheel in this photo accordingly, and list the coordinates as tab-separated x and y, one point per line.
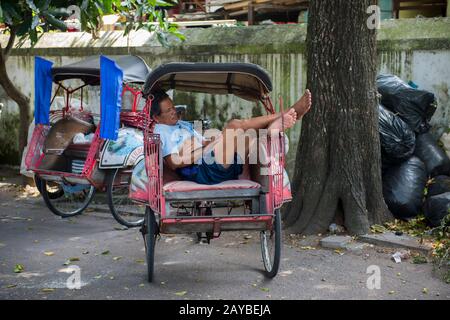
123	209
53	193
271	247
150	231
66	200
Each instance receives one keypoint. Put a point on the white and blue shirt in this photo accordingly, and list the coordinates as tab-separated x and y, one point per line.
173	137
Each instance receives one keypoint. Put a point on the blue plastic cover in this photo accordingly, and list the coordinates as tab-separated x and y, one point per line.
42	90
111	77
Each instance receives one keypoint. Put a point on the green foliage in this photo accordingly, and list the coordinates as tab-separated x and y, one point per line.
30	18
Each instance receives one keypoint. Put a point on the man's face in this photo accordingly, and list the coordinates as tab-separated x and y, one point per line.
168	114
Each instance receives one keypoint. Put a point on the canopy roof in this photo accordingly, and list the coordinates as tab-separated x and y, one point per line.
135	70
246	80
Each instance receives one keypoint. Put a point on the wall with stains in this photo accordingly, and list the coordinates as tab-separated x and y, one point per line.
417	50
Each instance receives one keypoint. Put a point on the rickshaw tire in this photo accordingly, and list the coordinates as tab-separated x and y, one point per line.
151	229
277	255
38	183
110	176
47	197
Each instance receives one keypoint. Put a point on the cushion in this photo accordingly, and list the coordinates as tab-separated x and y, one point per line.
185	186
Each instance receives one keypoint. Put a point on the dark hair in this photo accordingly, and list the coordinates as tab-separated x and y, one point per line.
158	96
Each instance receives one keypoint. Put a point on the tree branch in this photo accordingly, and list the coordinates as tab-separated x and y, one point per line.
12	38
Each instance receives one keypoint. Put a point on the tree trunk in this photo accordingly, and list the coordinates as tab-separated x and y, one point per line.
338	166
22	101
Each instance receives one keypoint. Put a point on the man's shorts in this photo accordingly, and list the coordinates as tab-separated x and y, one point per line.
209	172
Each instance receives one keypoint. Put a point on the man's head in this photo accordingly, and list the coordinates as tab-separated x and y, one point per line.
163	110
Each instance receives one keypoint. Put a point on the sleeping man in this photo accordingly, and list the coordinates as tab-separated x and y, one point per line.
205	161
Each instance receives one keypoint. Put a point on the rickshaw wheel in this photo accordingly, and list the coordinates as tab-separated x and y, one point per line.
119	202
271	246
150	231
52	195
56	203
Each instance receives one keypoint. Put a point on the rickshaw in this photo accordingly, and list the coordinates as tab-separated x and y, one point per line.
251	203
75	148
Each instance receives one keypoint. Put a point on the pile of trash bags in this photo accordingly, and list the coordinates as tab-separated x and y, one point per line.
416	170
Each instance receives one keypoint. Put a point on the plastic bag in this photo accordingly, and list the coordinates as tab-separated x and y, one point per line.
432	155
415	107
403	188
396	137
436	208
438	185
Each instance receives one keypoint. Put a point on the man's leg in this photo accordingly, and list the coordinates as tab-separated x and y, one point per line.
236	139
227	144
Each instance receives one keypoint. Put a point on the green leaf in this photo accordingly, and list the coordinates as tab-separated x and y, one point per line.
11	11
32	6
181	293
35	22
419	259
19	268
54	22
105	252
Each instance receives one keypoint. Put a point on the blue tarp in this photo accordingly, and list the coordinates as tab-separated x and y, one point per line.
111	77
42	90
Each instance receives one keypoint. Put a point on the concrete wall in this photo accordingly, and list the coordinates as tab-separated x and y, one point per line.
417	50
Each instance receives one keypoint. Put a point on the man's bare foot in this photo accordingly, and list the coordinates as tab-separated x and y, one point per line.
286	121
303	105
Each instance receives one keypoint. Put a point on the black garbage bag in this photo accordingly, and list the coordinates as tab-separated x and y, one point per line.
414	106
403	188
396	137
432	155
436	208
438	185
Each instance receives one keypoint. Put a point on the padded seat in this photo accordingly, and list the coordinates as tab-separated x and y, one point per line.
185	190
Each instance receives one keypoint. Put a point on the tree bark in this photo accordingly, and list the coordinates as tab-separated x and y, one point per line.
11	90
338	165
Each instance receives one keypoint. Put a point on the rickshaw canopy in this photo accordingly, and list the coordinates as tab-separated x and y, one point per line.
108	72
245	80
134	69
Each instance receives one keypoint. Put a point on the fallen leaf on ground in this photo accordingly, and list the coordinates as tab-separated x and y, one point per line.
49	253
48	290
140	261
264	289
72	259
18	268
85	252
181	293
105	252
117	258
391	292
419	259
425	290
307	248
9	286
376	228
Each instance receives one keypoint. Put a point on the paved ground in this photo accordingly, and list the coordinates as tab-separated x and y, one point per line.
229	268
